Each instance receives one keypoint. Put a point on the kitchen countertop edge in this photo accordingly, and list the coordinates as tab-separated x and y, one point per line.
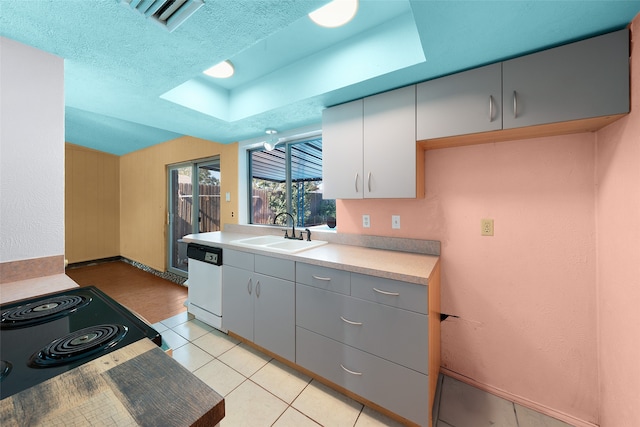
403	266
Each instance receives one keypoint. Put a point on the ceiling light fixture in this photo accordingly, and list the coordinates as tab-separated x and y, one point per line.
335	13
272	140
223	70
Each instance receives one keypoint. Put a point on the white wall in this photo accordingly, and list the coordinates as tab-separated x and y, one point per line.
31	152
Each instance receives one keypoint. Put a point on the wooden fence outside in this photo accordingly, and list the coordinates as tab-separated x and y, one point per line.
209	214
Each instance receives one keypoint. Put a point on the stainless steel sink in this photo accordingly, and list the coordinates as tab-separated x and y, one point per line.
278	244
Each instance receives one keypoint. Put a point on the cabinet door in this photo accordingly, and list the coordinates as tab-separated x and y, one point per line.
463	103
342	151
390	144
274	324
580	80
238	287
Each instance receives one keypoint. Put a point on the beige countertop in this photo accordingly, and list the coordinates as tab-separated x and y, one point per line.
22	289
392	264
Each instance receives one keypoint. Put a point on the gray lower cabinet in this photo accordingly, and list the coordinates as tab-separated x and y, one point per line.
388	384
388	332
260	307
367	334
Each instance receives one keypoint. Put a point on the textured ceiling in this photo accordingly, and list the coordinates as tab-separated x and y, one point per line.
130	83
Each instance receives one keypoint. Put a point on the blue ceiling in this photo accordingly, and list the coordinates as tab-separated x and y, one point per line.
129	83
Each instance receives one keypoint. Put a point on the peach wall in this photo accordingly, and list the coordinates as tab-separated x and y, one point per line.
526	296
618	249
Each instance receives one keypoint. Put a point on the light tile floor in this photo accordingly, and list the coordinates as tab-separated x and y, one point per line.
261	391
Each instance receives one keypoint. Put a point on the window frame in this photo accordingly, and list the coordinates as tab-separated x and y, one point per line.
288	144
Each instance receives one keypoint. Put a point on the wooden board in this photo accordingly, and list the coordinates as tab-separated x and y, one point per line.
137	385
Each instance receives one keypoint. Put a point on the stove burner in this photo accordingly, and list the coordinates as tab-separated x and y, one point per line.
78	345
37	312
5	368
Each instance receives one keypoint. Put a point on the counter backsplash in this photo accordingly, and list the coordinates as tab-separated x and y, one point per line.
426	247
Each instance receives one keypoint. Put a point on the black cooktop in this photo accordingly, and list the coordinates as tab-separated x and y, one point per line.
46	336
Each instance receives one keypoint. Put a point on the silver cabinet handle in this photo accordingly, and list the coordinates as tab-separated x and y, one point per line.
356	182
326	279
490	108
351	372
393	294
515	104
351	322
369	182
249	286
258	289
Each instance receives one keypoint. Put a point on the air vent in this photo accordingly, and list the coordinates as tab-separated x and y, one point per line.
168	13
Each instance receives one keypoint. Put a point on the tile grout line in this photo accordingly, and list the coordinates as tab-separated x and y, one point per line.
289	405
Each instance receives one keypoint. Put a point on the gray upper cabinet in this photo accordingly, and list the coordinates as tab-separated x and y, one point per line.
342	145
580	80
369	147
460	104
390	144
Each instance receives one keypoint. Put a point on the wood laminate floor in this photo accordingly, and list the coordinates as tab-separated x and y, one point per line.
150	296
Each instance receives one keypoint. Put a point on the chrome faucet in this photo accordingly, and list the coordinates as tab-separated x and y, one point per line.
293	227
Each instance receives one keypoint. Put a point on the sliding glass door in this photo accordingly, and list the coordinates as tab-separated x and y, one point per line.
194	206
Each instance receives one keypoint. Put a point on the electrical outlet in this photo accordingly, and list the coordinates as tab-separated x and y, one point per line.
486	227
366	221
395	221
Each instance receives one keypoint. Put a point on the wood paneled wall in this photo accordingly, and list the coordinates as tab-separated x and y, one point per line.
92	204
143	194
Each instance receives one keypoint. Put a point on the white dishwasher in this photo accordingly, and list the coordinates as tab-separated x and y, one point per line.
205	284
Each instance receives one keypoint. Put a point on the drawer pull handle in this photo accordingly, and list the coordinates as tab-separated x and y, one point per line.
351	372
326	279
393	294
351	322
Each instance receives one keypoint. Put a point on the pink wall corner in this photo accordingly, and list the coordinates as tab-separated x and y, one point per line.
526	297
618	251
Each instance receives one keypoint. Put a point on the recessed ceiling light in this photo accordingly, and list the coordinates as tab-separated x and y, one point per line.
222	70
335	13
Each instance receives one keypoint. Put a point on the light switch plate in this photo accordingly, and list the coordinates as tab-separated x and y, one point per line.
395	221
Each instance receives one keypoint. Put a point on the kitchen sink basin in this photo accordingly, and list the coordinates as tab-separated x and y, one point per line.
278	244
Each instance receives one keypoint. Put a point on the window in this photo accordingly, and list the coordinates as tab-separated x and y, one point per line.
289	179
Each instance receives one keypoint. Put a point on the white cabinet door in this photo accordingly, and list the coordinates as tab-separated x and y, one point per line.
460	104
274	321
342	146
390	144
238	287
580	80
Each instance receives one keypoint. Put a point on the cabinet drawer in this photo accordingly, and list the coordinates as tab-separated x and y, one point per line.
408	296
275	267
324	278
397	335
238	259
387	384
